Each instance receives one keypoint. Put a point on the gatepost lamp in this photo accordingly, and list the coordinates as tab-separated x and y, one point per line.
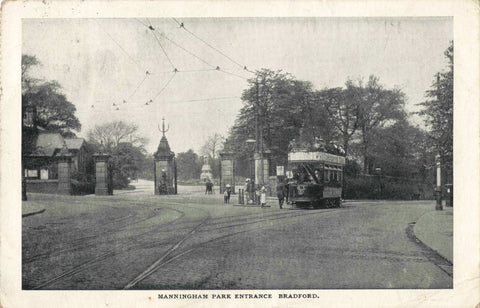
438	188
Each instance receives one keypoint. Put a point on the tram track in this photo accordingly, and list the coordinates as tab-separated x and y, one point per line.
174	252
123	244
169	256
152	268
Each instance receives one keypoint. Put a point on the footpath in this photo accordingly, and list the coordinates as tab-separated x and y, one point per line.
435	229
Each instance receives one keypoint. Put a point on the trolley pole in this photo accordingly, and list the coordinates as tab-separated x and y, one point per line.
438	188
260	146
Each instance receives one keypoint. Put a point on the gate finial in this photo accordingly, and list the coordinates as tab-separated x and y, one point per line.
163	130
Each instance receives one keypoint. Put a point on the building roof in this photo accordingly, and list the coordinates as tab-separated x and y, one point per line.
74	143
163	149
47	143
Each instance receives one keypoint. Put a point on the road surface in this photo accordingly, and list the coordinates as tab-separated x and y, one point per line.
135	240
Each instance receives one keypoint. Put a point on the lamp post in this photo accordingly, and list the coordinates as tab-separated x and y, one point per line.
378	171
259	148
438	188
250	144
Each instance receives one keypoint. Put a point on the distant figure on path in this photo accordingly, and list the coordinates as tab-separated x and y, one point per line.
208	187
226	194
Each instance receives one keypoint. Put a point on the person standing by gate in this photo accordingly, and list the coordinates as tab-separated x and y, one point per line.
281	192
251	192
263	196
245	190
226	194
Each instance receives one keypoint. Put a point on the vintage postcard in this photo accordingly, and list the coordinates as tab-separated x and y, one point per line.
260	153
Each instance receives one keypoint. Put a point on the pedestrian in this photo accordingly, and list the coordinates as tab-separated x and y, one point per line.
281	193
263	196
245	189
225	197
251	192
226	194
208	187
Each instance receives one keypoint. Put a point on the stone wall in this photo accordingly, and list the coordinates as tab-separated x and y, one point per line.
42	186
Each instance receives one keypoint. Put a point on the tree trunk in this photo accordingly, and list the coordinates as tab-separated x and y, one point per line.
365	151
345	143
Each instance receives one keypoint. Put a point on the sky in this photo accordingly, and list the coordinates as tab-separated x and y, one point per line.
102	64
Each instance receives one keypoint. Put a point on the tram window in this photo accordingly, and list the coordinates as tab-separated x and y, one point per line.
327	175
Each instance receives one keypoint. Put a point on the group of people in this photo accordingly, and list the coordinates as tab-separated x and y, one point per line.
208	187
254	194
318	145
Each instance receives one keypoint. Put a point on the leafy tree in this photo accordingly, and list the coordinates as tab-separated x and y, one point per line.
343	111
126	160
438	114
126	147
398	151
377	107
276	106
54	111
188	165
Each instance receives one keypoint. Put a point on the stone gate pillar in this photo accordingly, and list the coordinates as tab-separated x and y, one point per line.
227	170
258	167
164	169
102	175
64	171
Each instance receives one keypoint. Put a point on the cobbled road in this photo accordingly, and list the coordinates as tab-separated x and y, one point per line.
134	240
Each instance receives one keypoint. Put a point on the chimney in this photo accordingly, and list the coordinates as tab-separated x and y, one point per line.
29	116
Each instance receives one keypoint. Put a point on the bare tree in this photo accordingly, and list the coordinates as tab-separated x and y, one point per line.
113	133
213	144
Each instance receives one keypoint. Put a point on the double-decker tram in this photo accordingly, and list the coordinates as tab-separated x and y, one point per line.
315	178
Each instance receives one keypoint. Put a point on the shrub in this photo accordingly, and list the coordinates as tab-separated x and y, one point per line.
82	188
82	183
372	187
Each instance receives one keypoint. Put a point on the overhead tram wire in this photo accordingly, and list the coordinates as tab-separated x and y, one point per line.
194	55
120	46
187	51
164	87
147	73
159	44
182	25
205	99
217	68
